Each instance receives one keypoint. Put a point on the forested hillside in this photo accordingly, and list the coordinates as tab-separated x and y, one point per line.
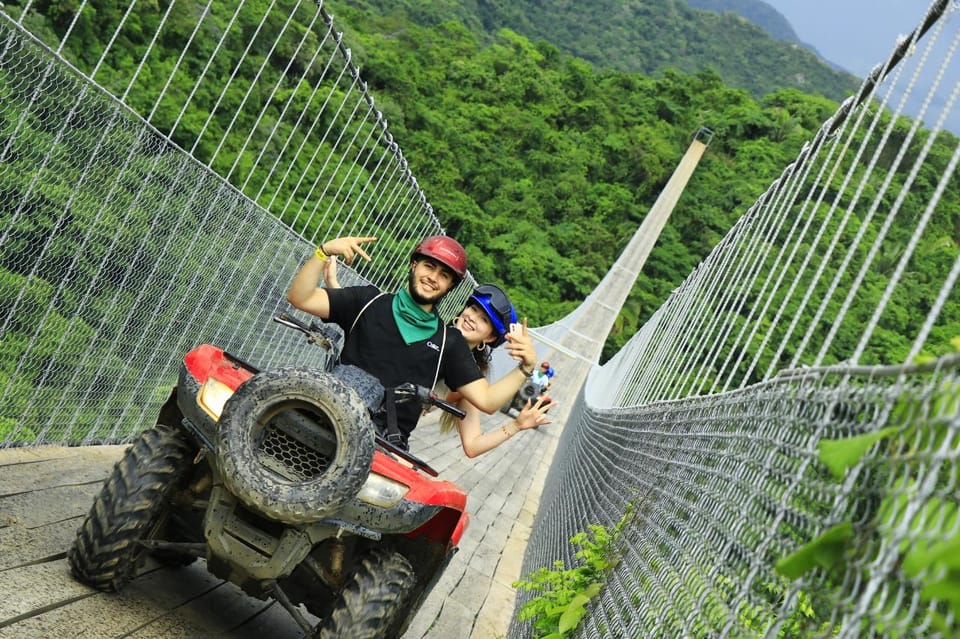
544	165
756	11
541	163
644	36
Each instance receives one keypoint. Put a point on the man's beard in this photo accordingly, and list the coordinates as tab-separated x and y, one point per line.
416	296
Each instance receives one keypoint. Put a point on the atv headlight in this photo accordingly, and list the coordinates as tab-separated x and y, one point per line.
212	396
381	491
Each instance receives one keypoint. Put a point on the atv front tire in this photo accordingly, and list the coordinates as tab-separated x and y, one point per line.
375	603
131	507
295	444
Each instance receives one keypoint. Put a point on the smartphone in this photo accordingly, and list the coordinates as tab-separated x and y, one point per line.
516	329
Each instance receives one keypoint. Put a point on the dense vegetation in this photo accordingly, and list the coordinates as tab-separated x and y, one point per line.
645	36
544	165
756	11
540	162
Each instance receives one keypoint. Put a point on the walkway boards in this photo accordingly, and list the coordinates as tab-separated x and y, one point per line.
45	495
46	492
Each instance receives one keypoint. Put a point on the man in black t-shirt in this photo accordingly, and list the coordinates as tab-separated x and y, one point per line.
399	337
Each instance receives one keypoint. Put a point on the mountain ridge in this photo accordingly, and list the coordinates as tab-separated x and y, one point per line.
768	18
643	36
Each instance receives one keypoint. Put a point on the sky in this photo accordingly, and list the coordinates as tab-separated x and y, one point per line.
855	34
858	35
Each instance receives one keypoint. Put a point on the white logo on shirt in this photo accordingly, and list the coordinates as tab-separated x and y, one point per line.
433	346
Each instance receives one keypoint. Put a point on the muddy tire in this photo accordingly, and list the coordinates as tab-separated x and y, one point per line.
132	506
375	603
295	444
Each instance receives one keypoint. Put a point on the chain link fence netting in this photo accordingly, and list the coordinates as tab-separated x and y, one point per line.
775	453
123	245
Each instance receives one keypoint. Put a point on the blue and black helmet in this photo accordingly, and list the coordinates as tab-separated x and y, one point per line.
498	308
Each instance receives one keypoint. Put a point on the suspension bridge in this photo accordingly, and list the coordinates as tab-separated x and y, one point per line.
776	446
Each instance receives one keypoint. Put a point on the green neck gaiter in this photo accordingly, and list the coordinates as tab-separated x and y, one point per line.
415	324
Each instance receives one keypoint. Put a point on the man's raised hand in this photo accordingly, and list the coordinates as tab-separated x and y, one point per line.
347	247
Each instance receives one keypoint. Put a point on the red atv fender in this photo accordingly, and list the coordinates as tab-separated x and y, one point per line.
207	360
428	491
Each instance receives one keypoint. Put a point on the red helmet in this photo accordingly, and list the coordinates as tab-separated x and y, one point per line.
445	250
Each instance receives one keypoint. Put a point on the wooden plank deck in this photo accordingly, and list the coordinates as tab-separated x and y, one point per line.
45	493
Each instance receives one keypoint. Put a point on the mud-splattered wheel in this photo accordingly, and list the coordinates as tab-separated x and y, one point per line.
376	601
295	444
131	507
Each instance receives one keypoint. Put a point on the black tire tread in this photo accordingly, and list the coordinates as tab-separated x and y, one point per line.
105	552
260	489
374	604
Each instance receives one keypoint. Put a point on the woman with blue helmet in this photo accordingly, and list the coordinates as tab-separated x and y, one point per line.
484	323
498	310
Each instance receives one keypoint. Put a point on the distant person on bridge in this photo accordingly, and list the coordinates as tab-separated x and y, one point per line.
399	337
543	377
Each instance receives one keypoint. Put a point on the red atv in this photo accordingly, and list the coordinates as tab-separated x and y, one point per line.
280	480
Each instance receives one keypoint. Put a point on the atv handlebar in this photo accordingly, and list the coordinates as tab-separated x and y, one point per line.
313	332
407	391
427	397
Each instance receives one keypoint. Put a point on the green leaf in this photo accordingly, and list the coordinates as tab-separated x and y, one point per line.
839	455
946	589
593	590
574	612
825	551
939	622
556	610
935	516
577	607
921	556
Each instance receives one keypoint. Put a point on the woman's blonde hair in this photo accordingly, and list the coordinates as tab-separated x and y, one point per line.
448	422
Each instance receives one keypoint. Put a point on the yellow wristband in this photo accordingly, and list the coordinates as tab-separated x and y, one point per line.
320	254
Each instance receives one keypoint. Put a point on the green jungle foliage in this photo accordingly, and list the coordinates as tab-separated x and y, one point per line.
645	36
539	162
543	165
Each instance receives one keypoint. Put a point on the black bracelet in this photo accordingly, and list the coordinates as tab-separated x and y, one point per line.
524	371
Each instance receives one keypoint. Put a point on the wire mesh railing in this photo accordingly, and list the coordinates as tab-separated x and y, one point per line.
131	229
777	445
779	440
